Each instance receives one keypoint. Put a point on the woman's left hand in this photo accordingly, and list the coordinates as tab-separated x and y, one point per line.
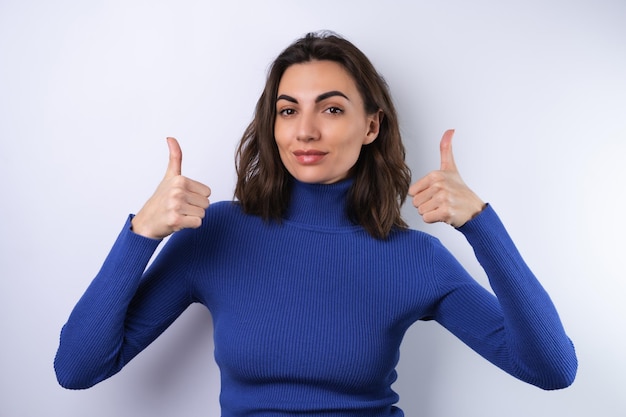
442	196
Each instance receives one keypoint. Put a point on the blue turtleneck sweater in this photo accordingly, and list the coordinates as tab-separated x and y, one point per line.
309	313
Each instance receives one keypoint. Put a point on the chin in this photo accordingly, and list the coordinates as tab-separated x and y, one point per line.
309	180
314	176
317	180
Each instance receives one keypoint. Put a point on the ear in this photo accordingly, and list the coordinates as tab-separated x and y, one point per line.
374	121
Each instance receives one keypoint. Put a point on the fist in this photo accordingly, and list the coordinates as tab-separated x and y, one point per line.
177	203
442	196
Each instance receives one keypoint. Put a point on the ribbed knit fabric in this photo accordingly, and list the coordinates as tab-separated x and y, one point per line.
309	313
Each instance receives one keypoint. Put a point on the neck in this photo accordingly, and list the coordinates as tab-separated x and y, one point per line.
319	204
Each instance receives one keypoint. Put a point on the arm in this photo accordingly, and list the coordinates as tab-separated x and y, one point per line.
124	310
520	330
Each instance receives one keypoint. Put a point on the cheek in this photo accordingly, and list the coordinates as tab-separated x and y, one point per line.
278	136
351	142
281	135
282	146
351	155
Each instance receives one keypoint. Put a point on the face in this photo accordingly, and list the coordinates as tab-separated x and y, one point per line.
321	123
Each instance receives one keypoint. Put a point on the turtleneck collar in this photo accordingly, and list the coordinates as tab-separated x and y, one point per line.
322	205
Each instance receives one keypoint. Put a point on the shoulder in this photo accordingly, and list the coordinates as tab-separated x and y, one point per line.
228	217
224	224
415	244
224	214
224	208
411	237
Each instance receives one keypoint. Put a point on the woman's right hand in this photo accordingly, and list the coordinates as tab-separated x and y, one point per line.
178	202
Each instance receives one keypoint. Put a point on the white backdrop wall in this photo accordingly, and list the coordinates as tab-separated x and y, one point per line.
89	90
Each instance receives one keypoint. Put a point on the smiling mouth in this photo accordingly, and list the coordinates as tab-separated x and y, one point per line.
309	157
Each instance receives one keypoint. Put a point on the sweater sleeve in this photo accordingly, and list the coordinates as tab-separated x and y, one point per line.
519	329
124	309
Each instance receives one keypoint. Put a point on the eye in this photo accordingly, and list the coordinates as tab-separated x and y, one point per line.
287	112
334	110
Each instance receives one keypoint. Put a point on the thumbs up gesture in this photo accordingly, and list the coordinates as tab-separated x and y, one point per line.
177	203
442	196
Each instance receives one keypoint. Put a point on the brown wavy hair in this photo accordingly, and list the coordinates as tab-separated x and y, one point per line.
381	177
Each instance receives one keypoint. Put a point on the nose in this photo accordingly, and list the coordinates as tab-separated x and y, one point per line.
307	128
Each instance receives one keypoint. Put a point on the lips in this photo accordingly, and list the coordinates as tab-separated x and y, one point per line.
308	157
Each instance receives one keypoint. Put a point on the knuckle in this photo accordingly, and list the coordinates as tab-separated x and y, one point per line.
174	206
177	194
179	181
437	176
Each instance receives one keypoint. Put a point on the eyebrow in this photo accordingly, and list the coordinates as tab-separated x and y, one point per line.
319	98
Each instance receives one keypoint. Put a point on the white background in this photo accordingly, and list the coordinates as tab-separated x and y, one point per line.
89	90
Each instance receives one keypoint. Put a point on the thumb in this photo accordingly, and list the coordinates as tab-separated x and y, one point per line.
176	158
445	147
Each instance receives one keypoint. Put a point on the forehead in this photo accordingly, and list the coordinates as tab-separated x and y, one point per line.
317	77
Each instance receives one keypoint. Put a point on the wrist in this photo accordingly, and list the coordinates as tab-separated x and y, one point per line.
139	228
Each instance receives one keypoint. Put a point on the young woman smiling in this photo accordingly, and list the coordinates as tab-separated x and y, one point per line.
311	275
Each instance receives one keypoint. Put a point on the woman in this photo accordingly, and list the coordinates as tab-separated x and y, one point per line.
311	276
